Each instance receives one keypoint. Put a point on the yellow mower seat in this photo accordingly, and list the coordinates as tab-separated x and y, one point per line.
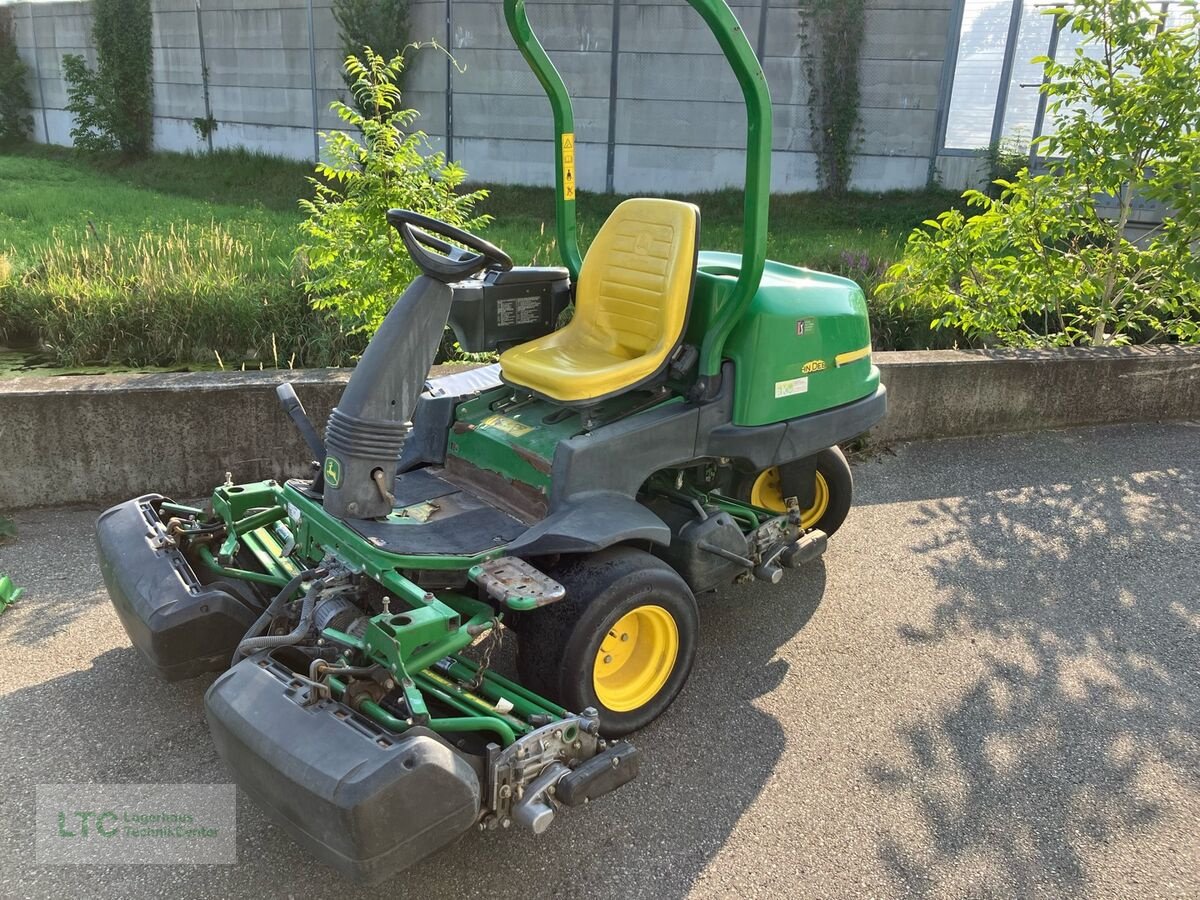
631	307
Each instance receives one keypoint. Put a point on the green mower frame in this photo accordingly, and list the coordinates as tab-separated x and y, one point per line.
354	614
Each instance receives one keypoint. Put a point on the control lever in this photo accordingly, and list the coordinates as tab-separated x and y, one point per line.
295	410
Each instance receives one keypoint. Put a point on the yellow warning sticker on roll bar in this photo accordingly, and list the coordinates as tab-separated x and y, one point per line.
568	166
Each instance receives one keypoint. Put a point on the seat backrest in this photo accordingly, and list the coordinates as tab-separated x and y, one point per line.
636	281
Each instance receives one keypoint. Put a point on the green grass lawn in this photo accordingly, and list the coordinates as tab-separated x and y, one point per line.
47	191
805	229
194	253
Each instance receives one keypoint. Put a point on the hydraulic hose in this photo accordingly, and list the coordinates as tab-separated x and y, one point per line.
251	645
277	602
252	641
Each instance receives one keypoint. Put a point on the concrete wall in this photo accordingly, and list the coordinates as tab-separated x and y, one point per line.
679	120
96	439
260	70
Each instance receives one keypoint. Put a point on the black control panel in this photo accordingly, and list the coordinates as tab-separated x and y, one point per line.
502	309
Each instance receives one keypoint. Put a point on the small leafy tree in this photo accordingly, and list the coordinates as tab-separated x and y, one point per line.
354	261
1045	263
111	106
87	106
15	121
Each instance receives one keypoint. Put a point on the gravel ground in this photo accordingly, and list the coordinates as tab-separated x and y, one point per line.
990	686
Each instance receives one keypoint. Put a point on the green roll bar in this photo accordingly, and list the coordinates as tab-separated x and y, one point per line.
732	40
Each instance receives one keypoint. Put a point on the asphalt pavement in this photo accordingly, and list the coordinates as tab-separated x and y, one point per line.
989	687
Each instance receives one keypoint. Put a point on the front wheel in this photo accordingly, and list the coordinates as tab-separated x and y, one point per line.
832	491
622	640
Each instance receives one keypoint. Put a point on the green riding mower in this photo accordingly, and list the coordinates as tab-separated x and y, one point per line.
677	435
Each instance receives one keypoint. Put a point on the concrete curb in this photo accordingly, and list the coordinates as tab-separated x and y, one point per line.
94	439
960	393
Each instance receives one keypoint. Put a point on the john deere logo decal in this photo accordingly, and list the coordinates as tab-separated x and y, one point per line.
813	365
333	471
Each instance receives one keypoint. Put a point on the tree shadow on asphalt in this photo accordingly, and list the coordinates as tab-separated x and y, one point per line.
1085	592
703	763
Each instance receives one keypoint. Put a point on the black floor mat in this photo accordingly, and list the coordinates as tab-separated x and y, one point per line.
420	485
461	525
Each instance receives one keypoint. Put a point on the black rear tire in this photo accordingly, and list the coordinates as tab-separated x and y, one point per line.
833	469
562	646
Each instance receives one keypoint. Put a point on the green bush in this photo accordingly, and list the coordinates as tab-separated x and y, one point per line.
112	105
1043	264
891	329
15	121
355	263
195	293
1005	158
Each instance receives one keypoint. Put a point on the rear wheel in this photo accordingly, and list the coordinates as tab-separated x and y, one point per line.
622	640
832	491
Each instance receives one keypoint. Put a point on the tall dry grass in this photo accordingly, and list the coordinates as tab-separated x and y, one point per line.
194	292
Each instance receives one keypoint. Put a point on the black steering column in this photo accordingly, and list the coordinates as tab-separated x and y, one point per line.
367	429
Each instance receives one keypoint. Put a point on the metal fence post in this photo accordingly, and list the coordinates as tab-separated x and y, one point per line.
312	75
1010	52
208	116
1039	120
946	86
449	79
37	76
764	12
610	166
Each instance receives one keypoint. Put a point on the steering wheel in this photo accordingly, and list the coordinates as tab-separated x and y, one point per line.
439	259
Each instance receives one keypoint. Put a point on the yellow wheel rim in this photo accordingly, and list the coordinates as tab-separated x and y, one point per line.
767	493
636	658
